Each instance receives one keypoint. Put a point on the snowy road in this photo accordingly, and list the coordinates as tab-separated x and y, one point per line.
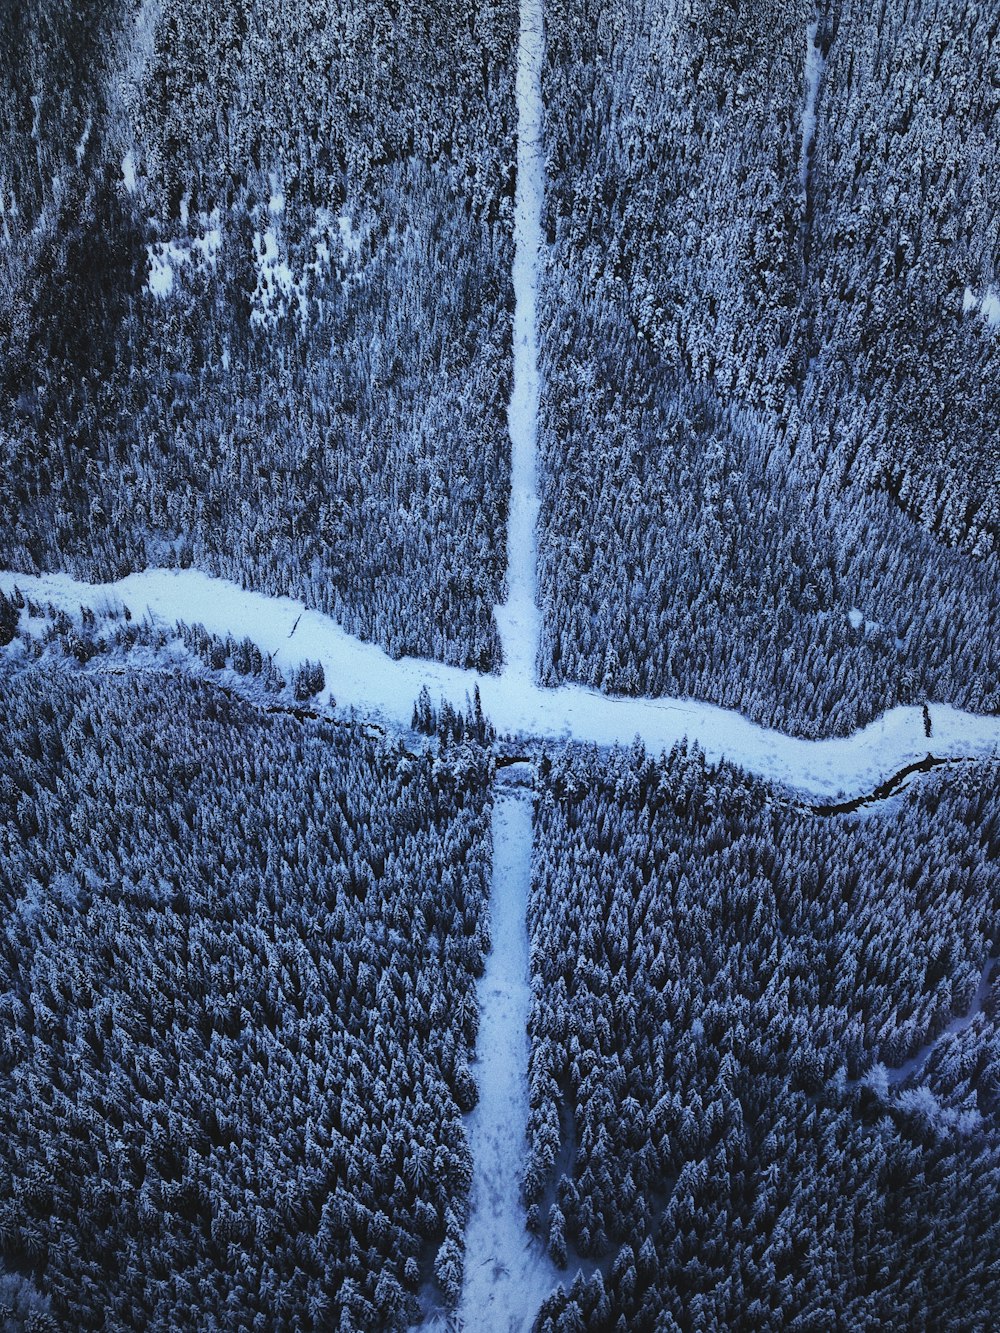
507	1272
517	619
363	676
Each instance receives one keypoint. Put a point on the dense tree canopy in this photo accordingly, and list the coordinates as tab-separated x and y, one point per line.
263	324
237	986
719	978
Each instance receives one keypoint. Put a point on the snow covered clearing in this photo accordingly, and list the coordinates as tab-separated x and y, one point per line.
518	619
507	1272
279	291
275	283
361	676
128	172
168	258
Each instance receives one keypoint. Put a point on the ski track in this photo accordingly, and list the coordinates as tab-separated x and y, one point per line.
361	676
507	1271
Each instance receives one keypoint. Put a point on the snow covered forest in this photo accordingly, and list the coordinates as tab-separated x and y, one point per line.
403	406
721	982
770	396
237	983
255	315
255	302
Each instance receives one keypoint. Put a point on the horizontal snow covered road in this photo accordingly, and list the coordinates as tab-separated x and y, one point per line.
362	676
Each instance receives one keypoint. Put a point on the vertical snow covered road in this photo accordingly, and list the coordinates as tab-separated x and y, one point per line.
507	1273
517	619
813	73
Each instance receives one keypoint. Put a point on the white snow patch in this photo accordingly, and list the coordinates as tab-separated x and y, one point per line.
162	258
362	676
350	239
167	258
988	303
6	233
814	69
856	617
81	147
507	1272
518	619
278	288
275	283
128	171
990	308
208	245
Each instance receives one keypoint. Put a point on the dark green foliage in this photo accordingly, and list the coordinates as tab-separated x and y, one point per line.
237	990
448	723
716	975
904	381
755	419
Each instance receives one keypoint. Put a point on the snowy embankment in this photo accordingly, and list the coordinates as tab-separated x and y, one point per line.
362	676
507	1272
518	619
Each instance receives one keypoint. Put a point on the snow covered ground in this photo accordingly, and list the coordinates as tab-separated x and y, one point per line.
517	619
362	676
814	68
507	1272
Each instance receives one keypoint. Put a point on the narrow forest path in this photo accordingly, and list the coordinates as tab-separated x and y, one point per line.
892	1075
507	1271
518	618
383	690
